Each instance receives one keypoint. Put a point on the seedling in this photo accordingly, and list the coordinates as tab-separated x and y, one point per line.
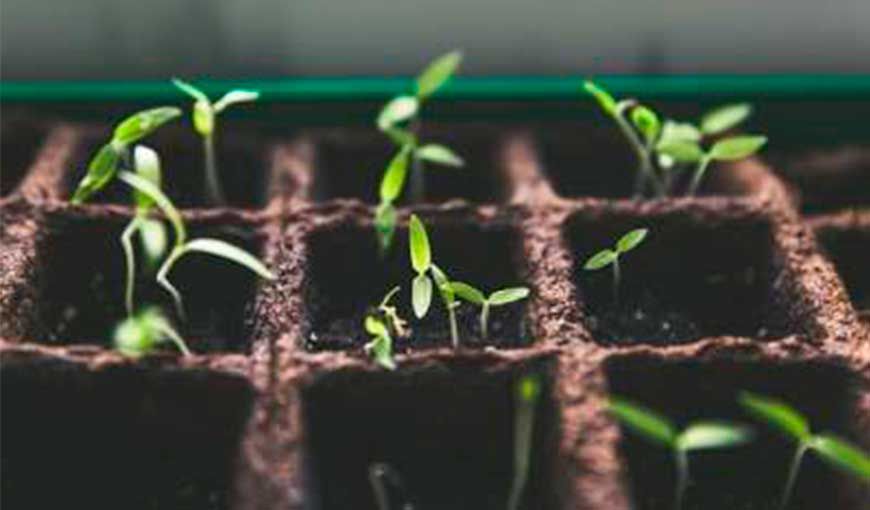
498	298
829	448
610	257
381	477
702	435
204	119
383	324
143	332
664	148
427	272
115	154
526	394
399	120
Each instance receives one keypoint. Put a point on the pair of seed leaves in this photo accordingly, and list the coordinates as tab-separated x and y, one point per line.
680	142
204	111
379	325
608	256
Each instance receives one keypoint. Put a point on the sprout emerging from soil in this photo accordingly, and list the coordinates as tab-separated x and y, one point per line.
381	476
427	272
702	435
526	394
665	148
610	257
830	448
204	120
383	324
399	120
143	332
498	298
114	155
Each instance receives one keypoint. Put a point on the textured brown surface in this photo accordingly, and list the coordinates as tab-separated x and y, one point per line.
294	403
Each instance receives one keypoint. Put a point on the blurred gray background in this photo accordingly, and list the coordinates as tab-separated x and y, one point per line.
103	39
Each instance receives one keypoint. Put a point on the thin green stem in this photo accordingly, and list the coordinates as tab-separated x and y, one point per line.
163	278
416	181
377	472
130	260
212	182
682	464
616	281
523	427
645	172
792	475
698	175
175	338
484	320
454	329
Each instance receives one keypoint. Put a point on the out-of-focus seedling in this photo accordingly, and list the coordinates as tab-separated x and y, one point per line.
382	477
115	154
830	448
141	333
399	120
498	298
526	393
610	257
204	122
383	324
702	435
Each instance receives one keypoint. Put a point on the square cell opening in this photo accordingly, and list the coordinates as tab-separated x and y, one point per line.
753	475
830	178
447	434
121	438
849	250
350	164
690	279
21	141
81	276
348	276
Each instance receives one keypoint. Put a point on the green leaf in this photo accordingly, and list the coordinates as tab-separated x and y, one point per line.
385	223
646	121
708	435
141	124
235	97
437	73
673	131
682	151
162	201
630	240
101	169
439	154
398	110
375	326
394	177
134	337
843	455
605	100
147	164
421	256
227	251
601	259
509	295
421	295
468	293
529	388
643	421
777	414
203	118
737	147
725	117
154	238
190	90
444	286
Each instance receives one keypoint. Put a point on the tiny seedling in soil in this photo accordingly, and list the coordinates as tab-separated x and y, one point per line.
830	448
526	394
665	149
702	435
498	298
382	478
204	122
115	155
141	333
383	325
399	120
427	272
610	257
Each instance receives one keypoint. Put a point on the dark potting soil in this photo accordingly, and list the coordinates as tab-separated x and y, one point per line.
643	320
21	141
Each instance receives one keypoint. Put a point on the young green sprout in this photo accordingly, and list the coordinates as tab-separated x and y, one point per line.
204	122
381	477
702	435
383	324
830	448
610	257
427	272
141	333
526	394
498	298
664	148
115	154
399	120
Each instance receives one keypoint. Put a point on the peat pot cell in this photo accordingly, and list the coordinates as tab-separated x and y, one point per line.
690	279
21	141
849	249
350	164
242	160
831	179
80	267
751	476
585	161
446	434
347	276
120	438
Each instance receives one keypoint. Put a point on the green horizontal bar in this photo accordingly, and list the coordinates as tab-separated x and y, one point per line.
462	88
